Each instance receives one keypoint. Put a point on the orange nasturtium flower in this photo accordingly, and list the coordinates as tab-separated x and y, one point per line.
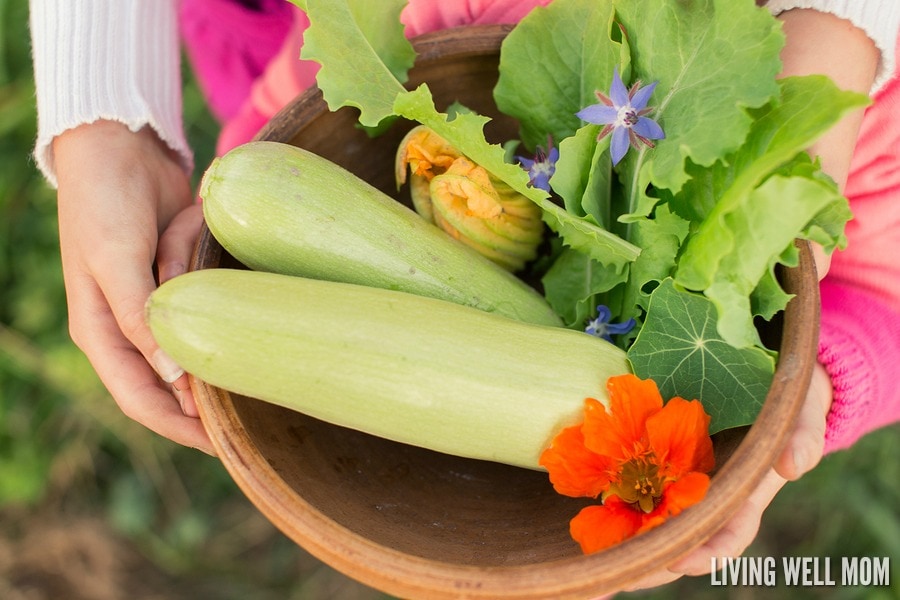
645	461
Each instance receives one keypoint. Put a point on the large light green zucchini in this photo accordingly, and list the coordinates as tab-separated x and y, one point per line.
282	209
409	368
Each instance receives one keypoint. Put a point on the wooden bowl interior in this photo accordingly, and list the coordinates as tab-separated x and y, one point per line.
418	523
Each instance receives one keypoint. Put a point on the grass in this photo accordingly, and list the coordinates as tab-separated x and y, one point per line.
82	485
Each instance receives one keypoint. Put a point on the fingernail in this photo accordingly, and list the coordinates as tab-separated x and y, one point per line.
171	271
188	405
167	369
178	396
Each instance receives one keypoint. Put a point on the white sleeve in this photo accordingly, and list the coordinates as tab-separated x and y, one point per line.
106	59
880	19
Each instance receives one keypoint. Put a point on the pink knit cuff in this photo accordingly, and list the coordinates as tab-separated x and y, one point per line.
859	345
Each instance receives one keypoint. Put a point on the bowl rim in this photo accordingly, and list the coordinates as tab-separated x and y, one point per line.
611	570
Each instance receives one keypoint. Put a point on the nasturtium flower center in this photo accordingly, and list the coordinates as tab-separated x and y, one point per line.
639	485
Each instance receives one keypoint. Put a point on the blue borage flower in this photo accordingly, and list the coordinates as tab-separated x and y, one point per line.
602	328
542	167
622	114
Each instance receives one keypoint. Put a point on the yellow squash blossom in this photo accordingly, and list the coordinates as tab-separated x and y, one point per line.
464	200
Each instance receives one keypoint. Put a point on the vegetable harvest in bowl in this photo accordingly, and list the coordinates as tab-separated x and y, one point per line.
671	257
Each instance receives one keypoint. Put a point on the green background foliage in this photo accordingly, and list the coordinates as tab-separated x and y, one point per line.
94	506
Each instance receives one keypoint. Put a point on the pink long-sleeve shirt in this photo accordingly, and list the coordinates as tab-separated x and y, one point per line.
859	340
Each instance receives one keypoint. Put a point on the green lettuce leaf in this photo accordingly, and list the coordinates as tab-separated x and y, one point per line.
659	238
572	283
762	241
809	106
737	207
712	59
679	348
581	180
553	61
364	54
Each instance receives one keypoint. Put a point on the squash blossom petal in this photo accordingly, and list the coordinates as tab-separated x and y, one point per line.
644	460
622	114
423	154
467	202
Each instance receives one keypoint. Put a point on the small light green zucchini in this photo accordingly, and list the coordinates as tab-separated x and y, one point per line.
414	369
278	208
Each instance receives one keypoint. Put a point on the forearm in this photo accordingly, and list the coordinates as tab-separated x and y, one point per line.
878	20
822	43
106	60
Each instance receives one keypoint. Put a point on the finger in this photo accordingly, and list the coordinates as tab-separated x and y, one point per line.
176	244
136	390
182	391
112	310
737	534
822	261
125	281
807	443
125	372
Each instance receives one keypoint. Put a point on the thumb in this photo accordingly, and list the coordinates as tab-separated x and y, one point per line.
807	444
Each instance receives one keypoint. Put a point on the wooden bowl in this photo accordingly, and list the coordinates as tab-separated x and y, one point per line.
419	524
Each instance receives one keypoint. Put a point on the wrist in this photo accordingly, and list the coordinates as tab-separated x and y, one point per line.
107	165
108	146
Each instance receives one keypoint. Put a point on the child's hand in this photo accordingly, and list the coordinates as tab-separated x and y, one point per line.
119	195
